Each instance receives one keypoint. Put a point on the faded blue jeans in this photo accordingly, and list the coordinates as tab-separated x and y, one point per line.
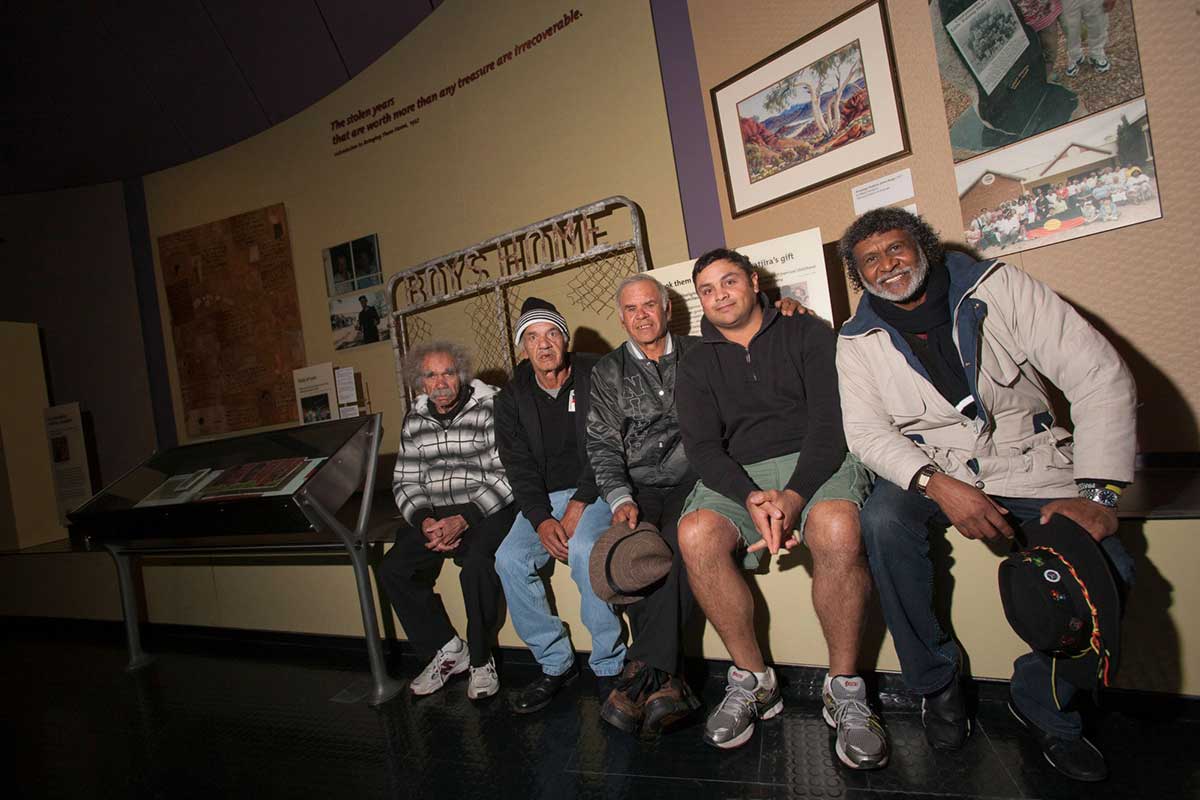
518	561
895	529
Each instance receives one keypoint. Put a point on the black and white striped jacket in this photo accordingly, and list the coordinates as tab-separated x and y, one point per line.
455	465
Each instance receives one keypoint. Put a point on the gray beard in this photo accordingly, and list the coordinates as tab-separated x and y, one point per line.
919	273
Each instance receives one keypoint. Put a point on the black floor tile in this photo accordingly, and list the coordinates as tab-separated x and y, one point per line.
1145	758
200	725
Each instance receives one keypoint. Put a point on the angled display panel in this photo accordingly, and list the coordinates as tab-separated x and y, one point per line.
237	486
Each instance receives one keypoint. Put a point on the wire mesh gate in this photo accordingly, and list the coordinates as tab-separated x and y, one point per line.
473	296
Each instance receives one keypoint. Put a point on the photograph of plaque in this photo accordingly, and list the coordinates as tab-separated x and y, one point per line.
1012	69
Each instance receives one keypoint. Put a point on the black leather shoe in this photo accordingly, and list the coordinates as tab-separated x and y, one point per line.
1078	759
538	694
944	715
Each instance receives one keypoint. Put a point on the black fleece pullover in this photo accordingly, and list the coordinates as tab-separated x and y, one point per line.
742	405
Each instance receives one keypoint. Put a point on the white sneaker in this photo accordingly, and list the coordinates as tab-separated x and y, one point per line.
447	663
484	681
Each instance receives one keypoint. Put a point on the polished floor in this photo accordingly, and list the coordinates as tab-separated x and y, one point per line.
216	718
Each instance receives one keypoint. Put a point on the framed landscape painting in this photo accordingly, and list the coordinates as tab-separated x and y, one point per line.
822	108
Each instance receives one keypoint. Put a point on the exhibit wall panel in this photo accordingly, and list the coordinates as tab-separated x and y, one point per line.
574	117
33	516
68	268
1129	281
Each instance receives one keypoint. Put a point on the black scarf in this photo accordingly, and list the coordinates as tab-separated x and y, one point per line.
928	330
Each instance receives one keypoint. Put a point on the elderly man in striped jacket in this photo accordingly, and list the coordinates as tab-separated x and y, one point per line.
456	502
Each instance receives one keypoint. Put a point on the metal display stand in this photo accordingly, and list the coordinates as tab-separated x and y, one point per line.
352	467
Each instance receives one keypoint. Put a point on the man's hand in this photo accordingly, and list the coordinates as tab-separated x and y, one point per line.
1099	521
449	533
775	513
554	538
626	514
788	306
970	511
570	517
428	526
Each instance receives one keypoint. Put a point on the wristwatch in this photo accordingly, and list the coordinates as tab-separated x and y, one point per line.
925	474
1106	495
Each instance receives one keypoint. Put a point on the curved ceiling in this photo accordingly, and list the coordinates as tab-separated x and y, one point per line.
98	92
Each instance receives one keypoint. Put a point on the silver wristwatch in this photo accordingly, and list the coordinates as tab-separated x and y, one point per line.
1099	494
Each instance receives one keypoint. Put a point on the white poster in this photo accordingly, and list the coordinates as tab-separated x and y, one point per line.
316	393
794	264
68	458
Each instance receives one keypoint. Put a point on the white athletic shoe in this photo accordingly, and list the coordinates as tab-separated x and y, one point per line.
484	681
447	663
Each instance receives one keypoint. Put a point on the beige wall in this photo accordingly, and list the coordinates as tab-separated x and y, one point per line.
32	518
1130	279
579	117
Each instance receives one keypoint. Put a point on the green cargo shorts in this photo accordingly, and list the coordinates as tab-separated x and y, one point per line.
852	482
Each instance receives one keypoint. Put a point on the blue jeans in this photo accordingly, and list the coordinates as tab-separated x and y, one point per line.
895	529
518	561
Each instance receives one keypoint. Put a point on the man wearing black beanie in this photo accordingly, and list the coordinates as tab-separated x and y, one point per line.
541	421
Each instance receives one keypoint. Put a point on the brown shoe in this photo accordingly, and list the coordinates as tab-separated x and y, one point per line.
671	704
623	708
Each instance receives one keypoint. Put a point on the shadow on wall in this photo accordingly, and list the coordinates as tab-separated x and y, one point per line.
1165	420
589	340
1151	657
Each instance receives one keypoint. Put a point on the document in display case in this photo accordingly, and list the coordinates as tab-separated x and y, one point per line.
244	485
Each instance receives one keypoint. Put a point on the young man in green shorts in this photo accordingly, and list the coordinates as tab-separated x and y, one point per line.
761	423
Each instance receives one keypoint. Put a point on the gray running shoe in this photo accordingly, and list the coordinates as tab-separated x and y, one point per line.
861	740
731	723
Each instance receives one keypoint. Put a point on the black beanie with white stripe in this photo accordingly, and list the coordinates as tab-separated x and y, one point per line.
536	310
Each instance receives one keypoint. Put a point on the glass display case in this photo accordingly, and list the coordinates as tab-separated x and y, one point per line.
277	491
230	487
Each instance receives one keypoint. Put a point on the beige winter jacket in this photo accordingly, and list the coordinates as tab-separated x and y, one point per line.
1008	327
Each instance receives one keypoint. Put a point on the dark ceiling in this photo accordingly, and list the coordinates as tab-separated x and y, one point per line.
97	92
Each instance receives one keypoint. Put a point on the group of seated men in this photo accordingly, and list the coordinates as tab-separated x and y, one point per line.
765	432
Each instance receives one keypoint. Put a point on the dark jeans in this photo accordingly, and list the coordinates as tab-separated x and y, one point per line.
658	620
895	528
409	571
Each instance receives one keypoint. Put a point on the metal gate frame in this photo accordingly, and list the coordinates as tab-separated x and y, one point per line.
400	338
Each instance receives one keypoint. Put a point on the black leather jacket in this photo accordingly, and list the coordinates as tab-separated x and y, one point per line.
632	429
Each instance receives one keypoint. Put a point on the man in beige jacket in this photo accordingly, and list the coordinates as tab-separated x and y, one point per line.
941	398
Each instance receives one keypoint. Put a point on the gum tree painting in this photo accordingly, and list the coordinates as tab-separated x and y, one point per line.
811	112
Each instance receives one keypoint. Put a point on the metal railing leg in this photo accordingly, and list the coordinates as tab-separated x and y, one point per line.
138	658
383	686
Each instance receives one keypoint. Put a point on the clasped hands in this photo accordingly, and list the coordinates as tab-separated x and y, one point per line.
775	513
444	535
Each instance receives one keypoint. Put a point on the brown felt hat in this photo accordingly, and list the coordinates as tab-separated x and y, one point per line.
625	563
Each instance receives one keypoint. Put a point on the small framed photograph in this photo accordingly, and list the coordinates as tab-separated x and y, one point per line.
351	266
821	109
